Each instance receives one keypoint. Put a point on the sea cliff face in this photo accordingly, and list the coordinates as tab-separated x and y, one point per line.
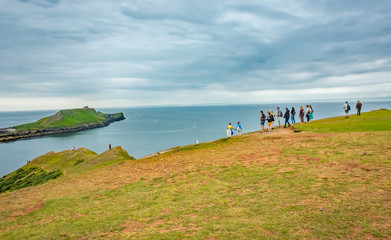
16	133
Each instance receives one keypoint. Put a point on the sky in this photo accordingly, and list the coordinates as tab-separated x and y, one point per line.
57	54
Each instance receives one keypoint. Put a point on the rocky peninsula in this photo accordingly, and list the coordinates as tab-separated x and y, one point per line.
64	121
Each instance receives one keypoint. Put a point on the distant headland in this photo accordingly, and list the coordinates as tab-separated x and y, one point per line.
64	121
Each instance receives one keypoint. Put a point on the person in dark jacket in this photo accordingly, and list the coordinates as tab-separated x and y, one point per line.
358	107
293	113
286	116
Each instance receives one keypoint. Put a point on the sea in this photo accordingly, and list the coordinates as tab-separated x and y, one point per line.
147	130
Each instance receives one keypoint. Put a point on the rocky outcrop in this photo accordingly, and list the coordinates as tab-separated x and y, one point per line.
12	134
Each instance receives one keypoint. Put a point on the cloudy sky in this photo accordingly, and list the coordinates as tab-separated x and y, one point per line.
65	53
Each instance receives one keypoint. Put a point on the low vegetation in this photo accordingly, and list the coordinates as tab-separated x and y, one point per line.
379	120
279	185
52	165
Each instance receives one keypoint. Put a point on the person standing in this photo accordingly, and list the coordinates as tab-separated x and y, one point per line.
293	113
273	116
358	107
346	107
270	120
301	114
110	146
279	115
307	113
239	128
286	117
311	113
262	119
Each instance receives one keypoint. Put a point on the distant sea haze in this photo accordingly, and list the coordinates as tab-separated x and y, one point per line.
149	130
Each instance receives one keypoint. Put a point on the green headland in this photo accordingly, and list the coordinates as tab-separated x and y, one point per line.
70	120
328	179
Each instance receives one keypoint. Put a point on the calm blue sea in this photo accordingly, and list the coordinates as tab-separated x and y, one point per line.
148	130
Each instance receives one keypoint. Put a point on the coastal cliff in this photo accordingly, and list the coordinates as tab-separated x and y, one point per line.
64	121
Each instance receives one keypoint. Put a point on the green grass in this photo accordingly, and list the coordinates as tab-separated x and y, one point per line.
53	165
293	186
379	120
67	118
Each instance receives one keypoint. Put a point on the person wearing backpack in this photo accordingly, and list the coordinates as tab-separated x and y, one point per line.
293	113
346	107
286	117
279	116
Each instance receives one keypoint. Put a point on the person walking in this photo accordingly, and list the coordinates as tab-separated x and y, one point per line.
286	117
346	107
239	128
307	113
262	119
311	113
358	107
301	114
279	115
293	113
230	131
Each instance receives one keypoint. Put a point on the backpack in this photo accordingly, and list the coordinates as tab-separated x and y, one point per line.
348	107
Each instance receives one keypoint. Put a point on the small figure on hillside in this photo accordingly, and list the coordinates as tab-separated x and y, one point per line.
311	113
286	117
301	114
230	131
73	148
346	107
262	120
270	120
239	128
273	119
358	107
279	116
109	146
293	113
307	112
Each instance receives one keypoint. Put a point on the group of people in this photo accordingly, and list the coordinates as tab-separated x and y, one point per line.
346	107
231	129
288	115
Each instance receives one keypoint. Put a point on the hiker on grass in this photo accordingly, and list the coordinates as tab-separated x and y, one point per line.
270	120
272	113
346	107
286	117
311	113
230	130
358	107
307	112
301	114
293	113
239	129
279	115
262	120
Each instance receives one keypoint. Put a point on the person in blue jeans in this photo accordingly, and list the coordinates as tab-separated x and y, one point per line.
293	113
286	116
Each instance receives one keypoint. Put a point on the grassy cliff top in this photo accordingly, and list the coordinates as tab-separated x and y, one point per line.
68	118
278	185
379	120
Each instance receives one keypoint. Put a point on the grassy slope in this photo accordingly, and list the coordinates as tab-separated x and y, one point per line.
272	186
379	120
53	165
66	118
